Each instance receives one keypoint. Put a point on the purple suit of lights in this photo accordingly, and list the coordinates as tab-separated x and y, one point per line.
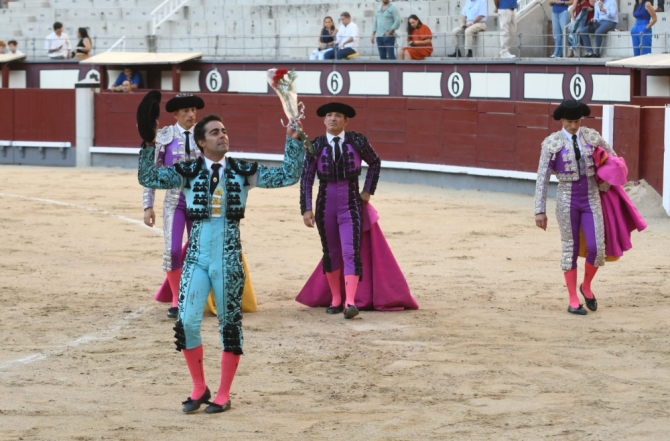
338	204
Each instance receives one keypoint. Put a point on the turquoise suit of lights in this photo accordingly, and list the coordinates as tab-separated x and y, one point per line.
213	258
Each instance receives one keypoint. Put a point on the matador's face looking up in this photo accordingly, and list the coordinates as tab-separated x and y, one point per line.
335	122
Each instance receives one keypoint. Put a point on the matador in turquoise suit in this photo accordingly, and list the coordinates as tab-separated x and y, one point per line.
215	189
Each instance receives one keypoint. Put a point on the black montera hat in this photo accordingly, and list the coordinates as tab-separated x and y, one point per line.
184	101
147	113
342	108
571	110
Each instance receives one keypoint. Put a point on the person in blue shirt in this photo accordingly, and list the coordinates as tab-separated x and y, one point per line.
387	22
506	10
473	20
130	75
645	18
604	20
560	17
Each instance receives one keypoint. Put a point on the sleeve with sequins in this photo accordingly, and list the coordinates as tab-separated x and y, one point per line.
150	176
307	182
547	163
286	174
369	155
149	194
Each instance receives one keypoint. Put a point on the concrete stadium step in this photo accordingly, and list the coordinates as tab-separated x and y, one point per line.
28	4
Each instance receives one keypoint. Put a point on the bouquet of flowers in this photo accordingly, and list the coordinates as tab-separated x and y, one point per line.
283	82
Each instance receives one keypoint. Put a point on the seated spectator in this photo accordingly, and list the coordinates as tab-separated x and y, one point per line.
3	47
604	20
419	38
347	40
84	46
326	39
130	75
645	18
581	12
473	18
57	44
13	48
126	87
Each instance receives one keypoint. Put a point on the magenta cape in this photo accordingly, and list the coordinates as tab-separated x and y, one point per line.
619	213
383	287
164	293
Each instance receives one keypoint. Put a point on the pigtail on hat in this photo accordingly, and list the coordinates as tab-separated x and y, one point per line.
571	110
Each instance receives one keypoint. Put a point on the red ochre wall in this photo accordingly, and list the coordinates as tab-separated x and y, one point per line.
489	134
37	115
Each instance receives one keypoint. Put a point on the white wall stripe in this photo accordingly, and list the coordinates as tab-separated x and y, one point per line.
665	197
608	124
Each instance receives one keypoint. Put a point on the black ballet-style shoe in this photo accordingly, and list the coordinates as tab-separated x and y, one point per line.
217	408
191	405
578	311
455	54
334	309
173	312
350	312
592	304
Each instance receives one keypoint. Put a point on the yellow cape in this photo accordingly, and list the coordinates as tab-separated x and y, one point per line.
248	296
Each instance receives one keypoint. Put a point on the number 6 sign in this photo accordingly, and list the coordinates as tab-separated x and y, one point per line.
334	82
455	84
577	86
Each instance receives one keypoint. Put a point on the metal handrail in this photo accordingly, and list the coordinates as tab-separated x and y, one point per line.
122	41
159	16
525	5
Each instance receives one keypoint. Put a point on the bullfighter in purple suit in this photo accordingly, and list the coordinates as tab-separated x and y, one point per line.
568	154
174	144
336	160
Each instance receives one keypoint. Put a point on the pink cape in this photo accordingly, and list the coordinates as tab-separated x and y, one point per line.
619	213
383	287
164	293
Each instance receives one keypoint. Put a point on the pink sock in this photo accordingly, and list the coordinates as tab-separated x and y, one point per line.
229	362
335	287
174	277
571	281
195	367
351	285
589	273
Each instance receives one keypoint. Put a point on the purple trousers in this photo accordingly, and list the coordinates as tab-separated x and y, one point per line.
340	224
581	216
174	233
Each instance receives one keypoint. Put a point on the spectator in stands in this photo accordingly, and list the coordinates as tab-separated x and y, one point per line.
473	18
604	20
387	21
84	46
13	47
57	43
3	47
326	39
130	75
506	10
347	40
419	38
581	12
645	18
560	17
126	87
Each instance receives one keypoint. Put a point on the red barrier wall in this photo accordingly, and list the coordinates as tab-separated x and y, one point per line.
490	134
652	146
38	115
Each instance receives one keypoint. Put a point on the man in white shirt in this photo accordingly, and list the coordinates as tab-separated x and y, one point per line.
57	44
473	20
347	39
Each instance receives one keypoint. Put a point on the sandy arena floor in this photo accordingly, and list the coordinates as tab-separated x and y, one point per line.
492	353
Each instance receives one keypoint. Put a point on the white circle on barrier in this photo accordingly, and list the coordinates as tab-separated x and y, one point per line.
577	86
214	80
93	74
335	82
455	84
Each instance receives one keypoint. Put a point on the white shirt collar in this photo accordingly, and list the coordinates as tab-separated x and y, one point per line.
182	130
330	137
209	162
568	135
